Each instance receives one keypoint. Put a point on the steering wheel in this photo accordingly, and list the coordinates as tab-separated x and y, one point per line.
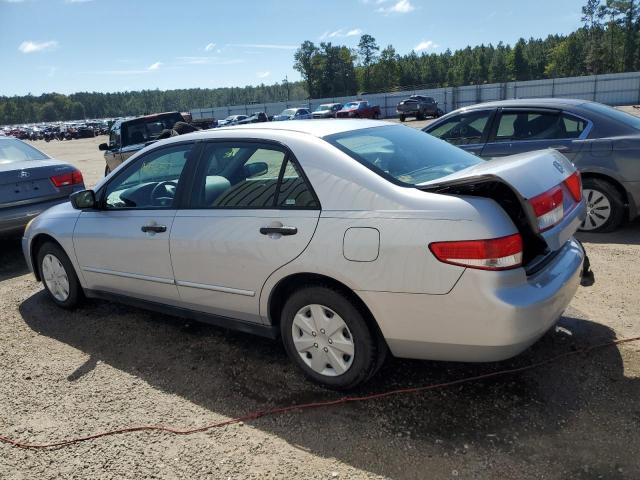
162	194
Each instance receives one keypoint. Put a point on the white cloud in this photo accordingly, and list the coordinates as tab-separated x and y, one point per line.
262	45
13	1
208	61
341	33
31	47
401	6
155	66
426	45
209	47
263	74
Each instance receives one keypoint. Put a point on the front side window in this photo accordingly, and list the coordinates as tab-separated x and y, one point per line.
150	182
251	176
523	125
463	129
402	154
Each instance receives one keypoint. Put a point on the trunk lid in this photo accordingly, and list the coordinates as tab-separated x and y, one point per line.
516	183
26	181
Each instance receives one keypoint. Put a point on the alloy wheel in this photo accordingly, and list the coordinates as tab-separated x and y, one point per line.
598	209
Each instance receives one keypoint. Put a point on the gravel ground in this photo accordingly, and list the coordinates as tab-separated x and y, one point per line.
105	366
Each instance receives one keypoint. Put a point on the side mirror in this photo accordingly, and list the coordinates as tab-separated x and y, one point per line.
83	199
255	169
103	146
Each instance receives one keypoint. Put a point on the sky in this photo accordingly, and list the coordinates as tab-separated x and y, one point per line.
68	46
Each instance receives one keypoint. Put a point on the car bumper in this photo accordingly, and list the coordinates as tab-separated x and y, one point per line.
13	220
487	316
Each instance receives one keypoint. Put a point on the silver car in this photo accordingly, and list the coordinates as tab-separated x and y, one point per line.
293	114
346	239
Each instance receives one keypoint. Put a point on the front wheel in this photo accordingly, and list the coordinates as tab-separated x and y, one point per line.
58	275
605	206
329	339
403	118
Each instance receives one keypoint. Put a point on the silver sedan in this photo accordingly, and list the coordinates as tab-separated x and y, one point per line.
345	239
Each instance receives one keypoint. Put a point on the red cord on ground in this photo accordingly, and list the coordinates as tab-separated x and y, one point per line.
307	406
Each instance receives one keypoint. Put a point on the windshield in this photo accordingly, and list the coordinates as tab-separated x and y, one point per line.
351	105
615	114
289	112
323	108
12	150
402	154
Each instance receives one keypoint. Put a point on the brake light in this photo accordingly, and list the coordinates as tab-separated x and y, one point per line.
66	179
492	254
548	208
574	184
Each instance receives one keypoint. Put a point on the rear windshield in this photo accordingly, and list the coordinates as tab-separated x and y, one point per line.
403	155
615	114
12	150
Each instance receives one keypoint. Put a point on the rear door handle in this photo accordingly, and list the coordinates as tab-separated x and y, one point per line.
284	230
153	228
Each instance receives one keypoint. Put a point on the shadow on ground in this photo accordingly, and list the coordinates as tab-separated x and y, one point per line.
628	234
12	262
549	413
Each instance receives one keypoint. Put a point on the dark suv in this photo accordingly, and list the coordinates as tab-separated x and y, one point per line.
126	137
419	107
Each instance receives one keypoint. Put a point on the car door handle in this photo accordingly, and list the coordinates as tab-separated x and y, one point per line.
281	230
153	228
560	148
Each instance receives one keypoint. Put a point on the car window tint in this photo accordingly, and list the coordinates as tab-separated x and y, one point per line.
518	126
464	129
293	191
151	182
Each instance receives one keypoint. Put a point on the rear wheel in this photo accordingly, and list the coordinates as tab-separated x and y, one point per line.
605	206
329	339
58	276
107	170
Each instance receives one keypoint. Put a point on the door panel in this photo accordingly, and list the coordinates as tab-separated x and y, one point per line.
221	260
115	255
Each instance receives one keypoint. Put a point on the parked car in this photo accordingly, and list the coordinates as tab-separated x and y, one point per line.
425	250
257	117
31	182
359	109
293	114
418	106
129	136
231	120
603	142
327	110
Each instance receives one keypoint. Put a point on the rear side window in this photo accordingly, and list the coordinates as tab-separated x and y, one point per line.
250	176
463	129
522	125
401	154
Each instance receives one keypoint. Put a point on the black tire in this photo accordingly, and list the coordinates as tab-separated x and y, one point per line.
369	349
611	193
76	294
107	170
403	118
419	116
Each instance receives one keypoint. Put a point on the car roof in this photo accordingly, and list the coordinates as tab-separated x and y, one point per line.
316	128
531	102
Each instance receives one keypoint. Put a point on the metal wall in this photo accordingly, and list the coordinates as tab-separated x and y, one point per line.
612	89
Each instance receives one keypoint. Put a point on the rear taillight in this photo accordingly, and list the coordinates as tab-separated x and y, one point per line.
66	179
493	254
574	184
548	208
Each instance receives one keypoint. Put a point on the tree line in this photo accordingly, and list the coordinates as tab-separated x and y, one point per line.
607	42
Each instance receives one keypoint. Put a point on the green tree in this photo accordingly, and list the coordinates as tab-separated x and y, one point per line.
367	50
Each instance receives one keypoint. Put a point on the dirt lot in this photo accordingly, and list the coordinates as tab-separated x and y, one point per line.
105	366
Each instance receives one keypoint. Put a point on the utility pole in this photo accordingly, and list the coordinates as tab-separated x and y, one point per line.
285	82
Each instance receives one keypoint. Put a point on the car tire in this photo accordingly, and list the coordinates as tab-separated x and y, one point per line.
419	116
605	206
402	118
107	170
58	276
341	359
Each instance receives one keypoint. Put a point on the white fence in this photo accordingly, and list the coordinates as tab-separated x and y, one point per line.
612	89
